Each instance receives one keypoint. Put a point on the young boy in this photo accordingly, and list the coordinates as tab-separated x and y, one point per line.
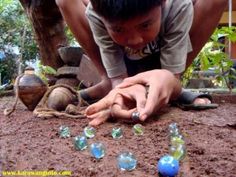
137	36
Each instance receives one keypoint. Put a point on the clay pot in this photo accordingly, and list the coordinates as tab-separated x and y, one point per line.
60	97
71	55
30	89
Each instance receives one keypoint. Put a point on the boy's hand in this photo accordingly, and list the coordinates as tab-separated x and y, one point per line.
163	86
119	103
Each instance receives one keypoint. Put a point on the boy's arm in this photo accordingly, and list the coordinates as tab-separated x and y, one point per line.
117	80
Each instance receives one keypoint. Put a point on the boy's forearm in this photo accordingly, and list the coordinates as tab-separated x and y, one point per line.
177	87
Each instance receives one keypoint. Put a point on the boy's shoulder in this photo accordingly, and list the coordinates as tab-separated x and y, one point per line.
172	7
175	9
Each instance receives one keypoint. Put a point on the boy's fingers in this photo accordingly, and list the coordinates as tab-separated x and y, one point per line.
100	118
117	108
98	106
141	100
137	79
151	103
93	116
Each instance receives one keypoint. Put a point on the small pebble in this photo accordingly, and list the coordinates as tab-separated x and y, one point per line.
138	129
126	161
97	150
64	131
89	132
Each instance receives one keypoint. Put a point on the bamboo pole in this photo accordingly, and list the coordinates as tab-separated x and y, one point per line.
230	25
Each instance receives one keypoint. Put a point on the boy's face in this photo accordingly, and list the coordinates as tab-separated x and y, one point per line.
137	32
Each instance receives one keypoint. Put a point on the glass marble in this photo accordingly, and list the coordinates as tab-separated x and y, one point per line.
176	140
138	129
126	161
89	132
178	151
135	116
173	129
80	143
64	131
168	166
97	150
173	126
117	133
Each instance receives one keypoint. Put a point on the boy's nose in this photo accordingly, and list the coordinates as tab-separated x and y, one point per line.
134	40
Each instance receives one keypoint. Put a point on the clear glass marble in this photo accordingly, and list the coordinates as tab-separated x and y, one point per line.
89	132
117	133
80	143
126	161
97	150
138	129
64	131
178	151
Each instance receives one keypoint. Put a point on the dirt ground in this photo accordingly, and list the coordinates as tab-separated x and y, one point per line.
31	144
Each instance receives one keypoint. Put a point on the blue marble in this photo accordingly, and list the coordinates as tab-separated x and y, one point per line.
117	133
64	131
89	132
126	161
80	143
168	166
97	150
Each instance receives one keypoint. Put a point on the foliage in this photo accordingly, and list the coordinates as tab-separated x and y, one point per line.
13	23
43	71
213	57
70	36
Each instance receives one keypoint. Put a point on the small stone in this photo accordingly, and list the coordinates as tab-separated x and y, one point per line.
168	166
97	150
117	133
138	129
178	151
89	132
80	143
126	161
64	131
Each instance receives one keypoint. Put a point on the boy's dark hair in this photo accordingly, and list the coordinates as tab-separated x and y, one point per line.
113	10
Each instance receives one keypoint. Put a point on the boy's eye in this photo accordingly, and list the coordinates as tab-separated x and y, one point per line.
145	25
117	30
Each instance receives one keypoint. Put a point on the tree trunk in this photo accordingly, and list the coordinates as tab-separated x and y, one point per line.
49	29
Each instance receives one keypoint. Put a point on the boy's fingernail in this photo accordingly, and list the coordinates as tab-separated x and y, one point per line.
90	111
143	117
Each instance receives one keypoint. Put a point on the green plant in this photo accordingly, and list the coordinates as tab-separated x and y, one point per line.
43	71
213	57
16	39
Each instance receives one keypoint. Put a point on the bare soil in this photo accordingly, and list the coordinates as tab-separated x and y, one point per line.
28	143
